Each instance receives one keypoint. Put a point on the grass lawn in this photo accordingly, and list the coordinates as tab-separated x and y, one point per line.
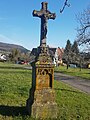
84	73
14	91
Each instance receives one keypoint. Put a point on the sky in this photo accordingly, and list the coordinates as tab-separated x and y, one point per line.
18	26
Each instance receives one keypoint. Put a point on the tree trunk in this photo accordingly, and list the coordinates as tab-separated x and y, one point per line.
67	66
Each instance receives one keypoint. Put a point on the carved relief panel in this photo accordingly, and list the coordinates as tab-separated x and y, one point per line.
44	78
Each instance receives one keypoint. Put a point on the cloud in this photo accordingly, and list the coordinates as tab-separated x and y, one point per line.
3	36
4	39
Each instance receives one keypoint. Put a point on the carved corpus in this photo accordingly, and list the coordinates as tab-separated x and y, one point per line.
45	15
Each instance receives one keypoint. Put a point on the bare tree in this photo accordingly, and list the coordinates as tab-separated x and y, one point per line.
83	31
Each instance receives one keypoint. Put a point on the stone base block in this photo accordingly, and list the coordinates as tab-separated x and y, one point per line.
47	110
43	105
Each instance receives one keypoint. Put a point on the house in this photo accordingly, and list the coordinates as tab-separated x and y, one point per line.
55	53
58	55
36	51
2	57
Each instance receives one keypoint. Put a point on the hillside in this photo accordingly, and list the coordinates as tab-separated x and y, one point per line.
5	47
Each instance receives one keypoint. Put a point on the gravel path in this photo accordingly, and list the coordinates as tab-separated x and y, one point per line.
79	83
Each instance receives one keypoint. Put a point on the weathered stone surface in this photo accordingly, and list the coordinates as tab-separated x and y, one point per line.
44	105
41	102
44	76
44	111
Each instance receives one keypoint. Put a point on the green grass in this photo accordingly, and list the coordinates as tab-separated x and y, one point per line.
72	104
14	91
84	73
11	65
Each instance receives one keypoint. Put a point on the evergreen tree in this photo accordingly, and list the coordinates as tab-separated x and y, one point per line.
67	53
75	53
75	47
68	47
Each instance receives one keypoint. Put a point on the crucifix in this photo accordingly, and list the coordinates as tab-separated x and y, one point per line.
41	103
45	15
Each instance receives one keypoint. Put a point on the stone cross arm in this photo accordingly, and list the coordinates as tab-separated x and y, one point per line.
37	13
47	15
51	15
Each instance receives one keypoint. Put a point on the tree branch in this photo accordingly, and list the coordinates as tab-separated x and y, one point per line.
65	4
83	32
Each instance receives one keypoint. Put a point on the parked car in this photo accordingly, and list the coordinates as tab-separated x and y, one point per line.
89	65
22	62
72	65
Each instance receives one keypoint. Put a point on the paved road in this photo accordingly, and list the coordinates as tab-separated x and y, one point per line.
81	84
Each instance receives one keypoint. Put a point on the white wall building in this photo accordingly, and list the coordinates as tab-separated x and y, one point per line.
2	57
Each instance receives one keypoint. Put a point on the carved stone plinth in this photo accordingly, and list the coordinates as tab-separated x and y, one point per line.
44	105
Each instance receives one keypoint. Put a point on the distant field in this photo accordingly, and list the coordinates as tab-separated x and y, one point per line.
15	83
84	73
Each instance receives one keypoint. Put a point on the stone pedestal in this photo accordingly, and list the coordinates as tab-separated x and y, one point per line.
41	102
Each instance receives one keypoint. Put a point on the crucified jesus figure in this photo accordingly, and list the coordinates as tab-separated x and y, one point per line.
45	15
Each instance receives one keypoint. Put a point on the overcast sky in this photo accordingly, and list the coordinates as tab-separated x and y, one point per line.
18	26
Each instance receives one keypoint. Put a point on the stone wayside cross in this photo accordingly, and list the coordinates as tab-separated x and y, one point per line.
45	15
41	102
